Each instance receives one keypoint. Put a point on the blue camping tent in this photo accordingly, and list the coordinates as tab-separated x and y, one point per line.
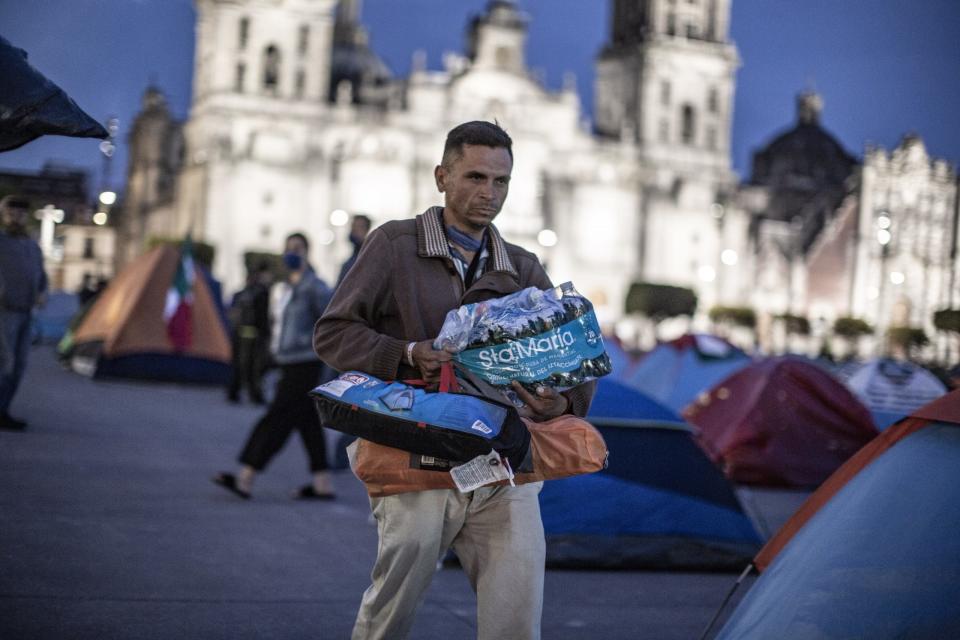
893	389
621	362
615	403
874	553
660	504
674	373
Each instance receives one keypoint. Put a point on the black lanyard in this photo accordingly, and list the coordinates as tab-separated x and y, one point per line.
471	274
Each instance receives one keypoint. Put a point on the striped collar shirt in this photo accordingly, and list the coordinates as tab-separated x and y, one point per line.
434	243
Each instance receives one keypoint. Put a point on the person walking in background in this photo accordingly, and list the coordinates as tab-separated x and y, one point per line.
250	324
295	307
359	228
23	286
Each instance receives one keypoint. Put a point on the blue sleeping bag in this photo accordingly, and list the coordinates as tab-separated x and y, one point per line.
452	426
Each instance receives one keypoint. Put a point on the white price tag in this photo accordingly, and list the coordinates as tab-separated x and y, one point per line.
339	386
481	471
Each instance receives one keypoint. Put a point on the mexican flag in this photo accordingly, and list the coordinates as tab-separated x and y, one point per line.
177	312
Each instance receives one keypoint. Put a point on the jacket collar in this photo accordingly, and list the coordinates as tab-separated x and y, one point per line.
432	241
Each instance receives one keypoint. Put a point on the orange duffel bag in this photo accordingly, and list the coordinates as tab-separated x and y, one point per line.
562	447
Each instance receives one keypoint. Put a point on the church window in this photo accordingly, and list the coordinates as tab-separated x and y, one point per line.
271	69
671	24
688	124
713	100
303	40
712	138
240	77
664	131
665	92
88	253
692	31
712	21
300	83
503	57
244	33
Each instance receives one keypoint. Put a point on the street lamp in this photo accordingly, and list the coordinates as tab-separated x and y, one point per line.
49	217
884	237
547	238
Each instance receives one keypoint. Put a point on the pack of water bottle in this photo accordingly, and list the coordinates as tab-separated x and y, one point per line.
536	337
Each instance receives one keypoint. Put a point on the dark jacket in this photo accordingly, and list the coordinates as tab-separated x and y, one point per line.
22	278
400	289
309	298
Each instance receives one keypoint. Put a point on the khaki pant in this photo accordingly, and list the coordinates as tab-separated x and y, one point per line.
498	536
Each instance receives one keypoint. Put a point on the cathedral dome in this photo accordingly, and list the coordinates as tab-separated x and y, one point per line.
353	61
805	158
358	65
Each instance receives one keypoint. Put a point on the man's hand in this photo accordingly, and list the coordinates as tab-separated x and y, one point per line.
543	406
428	360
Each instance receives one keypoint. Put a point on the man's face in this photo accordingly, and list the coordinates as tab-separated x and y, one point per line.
359	229
295	245
475	186
14	218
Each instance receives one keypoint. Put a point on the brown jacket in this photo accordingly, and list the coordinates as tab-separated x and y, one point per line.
400	290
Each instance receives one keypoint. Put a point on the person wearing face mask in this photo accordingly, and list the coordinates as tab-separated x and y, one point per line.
23	286
359	228
296	304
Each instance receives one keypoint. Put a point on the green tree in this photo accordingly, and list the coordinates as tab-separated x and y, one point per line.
203	252
273	261
948	321
907	338
851	328
739	316
798	325
657	302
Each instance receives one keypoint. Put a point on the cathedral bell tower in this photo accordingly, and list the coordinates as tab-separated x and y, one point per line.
666	79
261	78
256	48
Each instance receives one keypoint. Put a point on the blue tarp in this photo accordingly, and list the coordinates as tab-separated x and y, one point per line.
881	559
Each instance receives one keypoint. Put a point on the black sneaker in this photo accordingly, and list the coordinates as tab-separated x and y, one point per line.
9	423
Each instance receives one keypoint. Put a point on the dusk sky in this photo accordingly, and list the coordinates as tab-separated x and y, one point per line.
883	67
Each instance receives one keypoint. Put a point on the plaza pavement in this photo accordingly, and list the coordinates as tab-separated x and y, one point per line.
111	528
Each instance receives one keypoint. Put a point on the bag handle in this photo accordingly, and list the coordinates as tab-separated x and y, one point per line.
448	379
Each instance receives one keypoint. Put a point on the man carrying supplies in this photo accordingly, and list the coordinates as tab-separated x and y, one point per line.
382	321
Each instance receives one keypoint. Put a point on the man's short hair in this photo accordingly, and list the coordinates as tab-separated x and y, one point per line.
365	219
14	202
301	237
476	132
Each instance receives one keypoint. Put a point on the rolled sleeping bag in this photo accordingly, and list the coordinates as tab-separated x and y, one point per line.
451	426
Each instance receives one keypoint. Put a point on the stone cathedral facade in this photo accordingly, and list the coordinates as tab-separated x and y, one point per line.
294	117
295	120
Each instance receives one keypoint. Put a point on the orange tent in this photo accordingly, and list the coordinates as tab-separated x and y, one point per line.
124	333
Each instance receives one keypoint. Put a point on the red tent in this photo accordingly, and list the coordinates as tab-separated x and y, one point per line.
780	421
